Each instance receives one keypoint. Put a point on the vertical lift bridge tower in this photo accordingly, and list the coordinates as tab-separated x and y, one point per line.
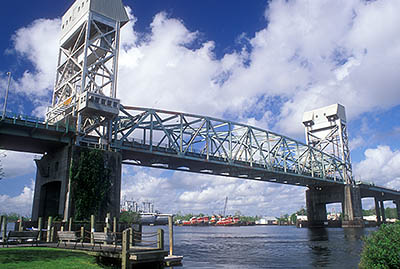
85	97
86	81
326	130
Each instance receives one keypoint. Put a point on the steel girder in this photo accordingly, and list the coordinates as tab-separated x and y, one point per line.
216	141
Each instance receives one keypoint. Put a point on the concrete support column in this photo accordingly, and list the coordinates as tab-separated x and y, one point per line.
377	212
383	212
53	191
397	202
352	207
316	209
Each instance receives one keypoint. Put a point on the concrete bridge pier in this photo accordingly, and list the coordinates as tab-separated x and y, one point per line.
316	208
348	195
397	202
352	207
53	191
377	211
382	207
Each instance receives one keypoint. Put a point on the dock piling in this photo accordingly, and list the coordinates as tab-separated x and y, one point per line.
160	239
125	249
1	223
52	234
40	227
131	237
4	227
82	234
108	222
171	234
49	224
92	229
20	227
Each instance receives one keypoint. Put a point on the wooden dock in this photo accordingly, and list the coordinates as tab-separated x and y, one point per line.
136	255
130	248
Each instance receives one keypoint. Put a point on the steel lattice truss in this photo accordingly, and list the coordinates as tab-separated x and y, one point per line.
207	139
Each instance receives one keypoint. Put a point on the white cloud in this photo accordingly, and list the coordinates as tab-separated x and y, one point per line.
21	204
381	166
17	164
195	193
356	142
38	43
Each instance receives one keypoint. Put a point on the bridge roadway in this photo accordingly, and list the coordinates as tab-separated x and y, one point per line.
193	143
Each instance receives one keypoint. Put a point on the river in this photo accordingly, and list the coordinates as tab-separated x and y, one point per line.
266	246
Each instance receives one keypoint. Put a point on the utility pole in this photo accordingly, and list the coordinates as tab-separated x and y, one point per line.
6	96
226	202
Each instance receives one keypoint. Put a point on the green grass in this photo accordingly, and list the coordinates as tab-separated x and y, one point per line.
40	257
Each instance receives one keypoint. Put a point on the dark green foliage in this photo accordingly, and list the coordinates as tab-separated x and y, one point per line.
91	184
180	216
390	213
382	248
129	217
249	218
13	217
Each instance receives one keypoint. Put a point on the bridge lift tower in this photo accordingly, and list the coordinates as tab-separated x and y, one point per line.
326	130
86	80
84	96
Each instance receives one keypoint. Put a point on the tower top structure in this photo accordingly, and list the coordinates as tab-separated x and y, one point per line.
326	130
86	81
80	9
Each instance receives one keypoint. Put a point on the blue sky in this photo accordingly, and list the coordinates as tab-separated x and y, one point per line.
259	62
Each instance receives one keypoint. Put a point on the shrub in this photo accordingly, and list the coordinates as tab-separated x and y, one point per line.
382	248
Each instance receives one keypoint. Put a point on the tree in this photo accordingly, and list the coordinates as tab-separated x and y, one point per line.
381	248
129	217
91	184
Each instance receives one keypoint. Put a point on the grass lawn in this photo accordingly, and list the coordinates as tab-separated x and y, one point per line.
41	257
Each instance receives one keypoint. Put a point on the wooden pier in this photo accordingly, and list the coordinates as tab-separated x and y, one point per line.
130	248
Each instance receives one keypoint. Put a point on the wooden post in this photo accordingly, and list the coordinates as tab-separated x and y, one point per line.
108	222
115	229
125	249
1	223
20	227
131	237
70	224
115	225
82	234
4	228
40	227
49	224
171	234
92	228
52	237
160	239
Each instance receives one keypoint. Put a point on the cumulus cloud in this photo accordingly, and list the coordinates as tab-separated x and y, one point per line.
21	204
381	166
17	164
196	193
38	43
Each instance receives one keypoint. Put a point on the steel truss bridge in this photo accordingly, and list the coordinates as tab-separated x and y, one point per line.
187	142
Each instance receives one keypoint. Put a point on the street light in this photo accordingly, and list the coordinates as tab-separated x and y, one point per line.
6	97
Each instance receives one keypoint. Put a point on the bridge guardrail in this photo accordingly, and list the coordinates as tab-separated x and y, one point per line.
37	122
